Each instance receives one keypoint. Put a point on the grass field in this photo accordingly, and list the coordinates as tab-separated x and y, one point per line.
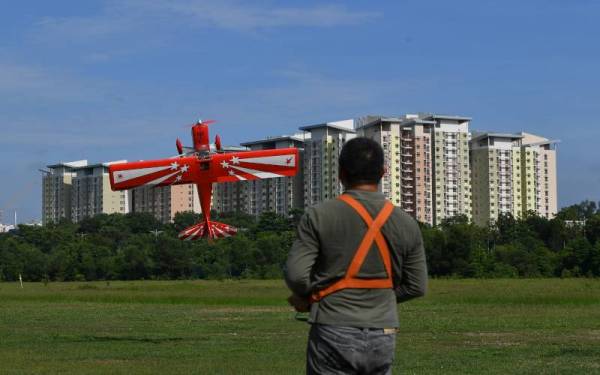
245	327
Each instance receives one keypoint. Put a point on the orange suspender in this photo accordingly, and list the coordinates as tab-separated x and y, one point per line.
350	279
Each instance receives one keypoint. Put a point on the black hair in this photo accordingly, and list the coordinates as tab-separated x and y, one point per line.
361	162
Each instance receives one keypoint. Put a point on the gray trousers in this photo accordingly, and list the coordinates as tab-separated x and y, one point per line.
349	350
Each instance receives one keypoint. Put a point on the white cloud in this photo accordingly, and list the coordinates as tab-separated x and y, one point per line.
297	96
133	16
83	27
237	15
23	81
59	138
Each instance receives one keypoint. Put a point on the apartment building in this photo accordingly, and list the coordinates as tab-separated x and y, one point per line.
92	195
6	228
56	191
427	163
75	190
513	173
322	145
496	176
166	201
451	167
538	166
279	195
386	131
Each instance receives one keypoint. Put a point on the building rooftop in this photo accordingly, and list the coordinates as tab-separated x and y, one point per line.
81	164
542	143
477	136
295	137
70	164
345	125
106	164
410	119
444	117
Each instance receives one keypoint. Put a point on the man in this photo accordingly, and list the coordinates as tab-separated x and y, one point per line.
355	258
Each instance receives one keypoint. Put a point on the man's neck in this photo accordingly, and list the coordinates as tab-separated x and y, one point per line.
364	187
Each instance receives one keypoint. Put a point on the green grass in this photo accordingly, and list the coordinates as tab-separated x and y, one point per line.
244	327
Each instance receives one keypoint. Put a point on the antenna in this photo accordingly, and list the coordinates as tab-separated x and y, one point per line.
15	219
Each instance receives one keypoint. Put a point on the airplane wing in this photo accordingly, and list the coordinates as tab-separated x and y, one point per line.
252	165
171	171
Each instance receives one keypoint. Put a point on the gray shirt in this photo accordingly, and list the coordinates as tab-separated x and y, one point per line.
329	235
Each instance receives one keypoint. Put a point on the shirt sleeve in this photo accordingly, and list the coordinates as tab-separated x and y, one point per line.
302	257
413	280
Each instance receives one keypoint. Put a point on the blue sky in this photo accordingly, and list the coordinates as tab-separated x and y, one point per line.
108	80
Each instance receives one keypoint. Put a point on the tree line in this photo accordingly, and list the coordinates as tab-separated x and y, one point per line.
136	246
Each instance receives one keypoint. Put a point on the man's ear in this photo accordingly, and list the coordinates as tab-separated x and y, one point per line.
342	176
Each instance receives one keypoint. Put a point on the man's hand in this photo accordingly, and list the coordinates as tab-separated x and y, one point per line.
300	304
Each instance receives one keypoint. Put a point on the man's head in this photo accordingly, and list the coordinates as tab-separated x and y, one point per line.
361	163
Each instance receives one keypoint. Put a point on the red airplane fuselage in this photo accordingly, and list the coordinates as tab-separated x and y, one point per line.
200	137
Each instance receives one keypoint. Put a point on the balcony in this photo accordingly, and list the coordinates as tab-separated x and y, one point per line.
407	202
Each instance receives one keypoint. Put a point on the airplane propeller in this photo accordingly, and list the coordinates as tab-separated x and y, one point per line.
179	146
200	122
218	142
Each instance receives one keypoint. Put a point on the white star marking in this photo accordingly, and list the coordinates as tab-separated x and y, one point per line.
174	166
178	178
225	164
231	173
235	160
185	168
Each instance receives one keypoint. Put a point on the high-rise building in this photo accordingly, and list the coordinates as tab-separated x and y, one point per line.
406	142
279	195
538	166
427	163
451	167
92	194
56	191
76	190
496	176
512	173
322	146
386	132
416	161
166	201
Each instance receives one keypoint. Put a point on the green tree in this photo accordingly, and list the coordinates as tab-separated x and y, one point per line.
185	219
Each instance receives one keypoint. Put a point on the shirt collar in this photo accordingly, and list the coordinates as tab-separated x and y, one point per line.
365	195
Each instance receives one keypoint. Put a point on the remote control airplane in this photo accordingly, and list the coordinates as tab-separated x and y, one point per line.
205	164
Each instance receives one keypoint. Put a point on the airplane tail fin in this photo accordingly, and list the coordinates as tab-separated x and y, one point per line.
214	230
